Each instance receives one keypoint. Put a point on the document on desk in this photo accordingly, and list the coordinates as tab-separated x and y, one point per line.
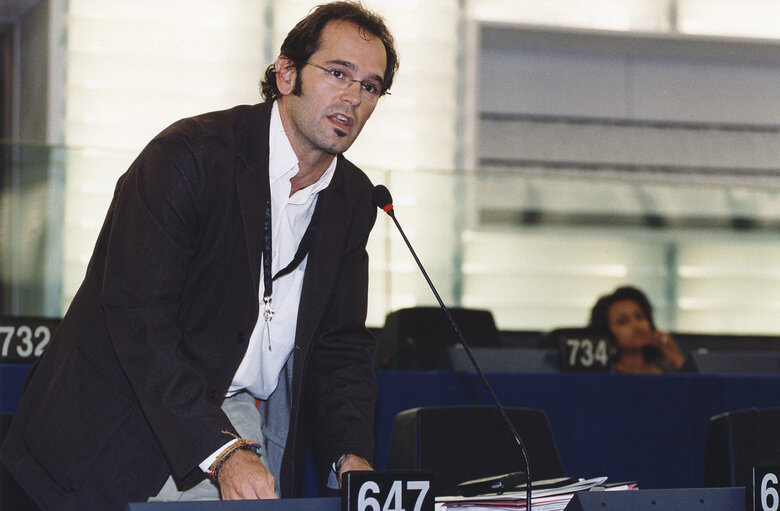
543	499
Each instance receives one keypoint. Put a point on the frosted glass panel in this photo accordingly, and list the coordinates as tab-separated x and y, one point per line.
602	14
729	285
534	270
535	249
539	279
135	67
539	250
746	18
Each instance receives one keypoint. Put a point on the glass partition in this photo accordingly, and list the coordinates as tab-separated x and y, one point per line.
31	229
536	249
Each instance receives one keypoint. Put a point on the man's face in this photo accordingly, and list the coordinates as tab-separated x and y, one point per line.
327	118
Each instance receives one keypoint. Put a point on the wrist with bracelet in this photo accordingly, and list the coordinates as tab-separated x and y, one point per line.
239	445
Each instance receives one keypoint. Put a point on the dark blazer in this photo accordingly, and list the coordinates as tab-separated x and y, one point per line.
129	390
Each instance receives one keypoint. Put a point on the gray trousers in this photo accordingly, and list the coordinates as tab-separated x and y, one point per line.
245	417
266	424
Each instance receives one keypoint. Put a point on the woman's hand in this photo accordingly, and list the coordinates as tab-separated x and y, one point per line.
668	346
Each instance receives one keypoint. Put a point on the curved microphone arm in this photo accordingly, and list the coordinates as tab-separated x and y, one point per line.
383	200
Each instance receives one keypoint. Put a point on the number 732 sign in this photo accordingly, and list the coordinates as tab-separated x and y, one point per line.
24	339
387	490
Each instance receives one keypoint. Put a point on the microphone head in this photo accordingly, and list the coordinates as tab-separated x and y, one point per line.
381	197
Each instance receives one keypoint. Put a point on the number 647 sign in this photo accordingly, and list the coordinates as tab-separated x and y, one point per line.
387	490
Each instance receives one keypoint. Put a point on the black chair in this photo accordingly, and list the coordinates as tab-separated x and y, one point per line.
739	440
415	338
461	443
12	497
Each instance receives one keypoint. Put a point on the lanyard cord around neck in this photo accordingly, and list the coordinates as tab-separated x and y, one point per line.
303	248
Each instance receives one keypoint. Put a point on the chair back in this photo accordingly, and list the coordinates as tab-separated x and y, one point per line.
739	440
461	443
415	338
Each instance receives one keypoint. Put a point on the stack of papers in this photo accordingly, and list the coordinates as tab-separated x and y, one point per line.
548	498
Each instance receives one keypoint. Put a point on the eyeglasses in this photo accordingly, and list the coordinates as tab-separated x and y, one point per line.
370	90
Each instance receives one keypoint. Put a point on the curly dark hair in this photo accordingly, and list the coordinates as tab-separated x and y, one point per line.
599	319
304	39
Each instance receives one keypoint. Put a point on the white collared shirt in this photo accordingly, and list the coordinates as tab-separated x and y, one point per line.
272	341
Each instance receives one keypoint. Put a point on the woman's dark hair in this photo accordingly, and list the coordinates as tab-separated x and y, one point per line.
304	39
599	319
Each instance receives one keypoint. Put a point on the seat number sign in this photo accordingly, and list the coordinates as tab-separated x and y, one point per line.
585	353
24	339
387	490
764	494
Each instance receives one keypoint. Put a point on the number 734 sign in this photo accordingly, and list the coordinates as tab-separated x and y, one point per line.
585	352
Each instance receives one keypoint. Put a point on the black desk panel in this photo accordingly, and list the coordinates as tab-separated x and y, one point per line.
705	499
689	499
649	429
644	428
313	504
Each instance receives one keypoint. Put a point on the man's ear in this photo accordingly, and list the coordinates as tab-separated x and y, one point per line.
285	75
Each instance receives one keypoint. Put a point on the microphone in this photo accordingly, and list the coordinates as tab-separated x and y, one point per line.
384	201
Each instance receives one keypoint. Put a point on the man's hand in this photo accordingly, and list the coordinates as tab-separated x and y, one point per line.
353	462
244	477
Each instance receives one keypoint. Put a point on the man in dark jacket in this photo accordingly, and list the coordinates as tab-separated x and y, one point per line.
231	269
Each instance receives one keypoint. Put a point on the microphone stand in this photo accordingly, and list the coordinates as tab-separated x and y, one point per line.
390	211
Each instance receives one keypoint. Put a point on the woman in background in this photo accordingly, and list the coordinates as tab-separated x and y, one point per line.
627	316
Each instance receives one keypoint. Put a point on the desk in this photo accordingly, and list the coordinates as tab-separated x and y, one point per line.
708	499
646	428
313	504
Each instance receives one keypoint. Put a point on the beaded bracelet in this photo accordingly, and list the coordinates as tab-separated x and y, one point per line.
240	444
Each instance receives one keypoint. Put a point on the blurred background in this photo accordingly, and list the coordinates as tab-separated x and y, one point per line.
540	152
